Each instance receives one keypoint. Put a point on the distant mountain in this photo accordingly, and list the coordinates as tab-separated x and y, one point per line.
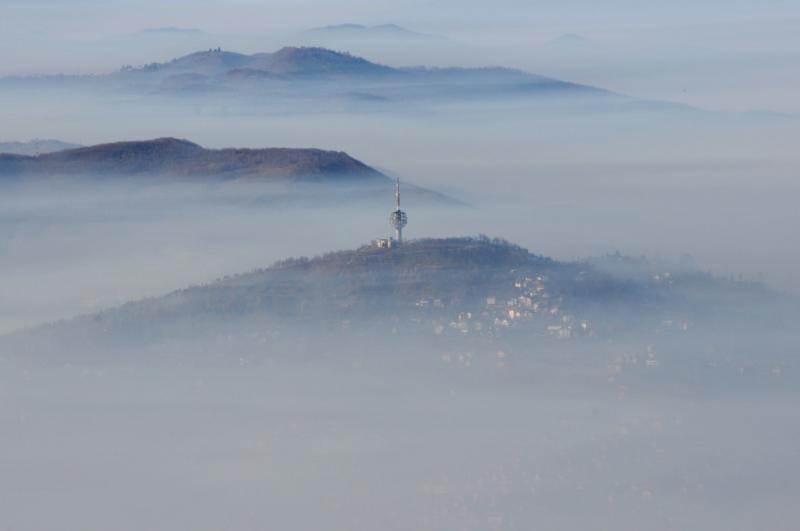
380	32
286	62
301	63
172	31
316	61
324	74
181	158
35	147
312	79
212	61
308	176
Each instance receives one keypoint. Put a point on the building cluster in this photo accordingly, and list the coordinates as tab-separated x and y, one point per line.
533	304
527	305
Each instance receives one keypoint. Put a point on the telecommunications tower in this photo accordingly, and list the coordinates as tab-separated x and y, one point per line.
398	219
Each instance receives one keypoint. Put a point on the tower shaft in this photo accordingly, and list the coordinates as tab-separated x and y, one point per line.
397	194
398	219
398	232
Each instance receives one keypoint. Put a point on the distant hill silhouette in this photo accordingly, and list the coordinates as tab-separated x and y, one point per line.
181	158
205	62
309	176
299	64
171	31
359	31
316	61
316	79
323	76
289	61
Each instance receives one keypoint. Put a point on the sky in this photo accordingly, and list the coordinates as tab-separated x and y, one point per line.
733	55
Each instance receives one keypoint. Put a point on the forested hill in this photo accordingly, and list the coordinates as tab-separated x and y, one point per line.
487	287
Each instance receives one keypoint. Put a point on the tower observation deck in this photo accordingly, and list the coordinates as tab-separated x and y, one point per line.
398	219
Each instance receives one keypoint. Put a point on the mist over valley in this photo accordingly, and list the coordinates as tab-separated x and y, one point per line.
440	265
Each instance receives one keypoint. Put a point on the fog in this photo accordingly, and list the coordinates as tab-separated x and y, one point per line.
227	420
359	437
573	185
378	431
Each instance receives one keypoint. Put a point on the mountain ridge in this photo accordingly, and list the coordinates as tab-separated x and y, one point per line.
327	77
298	63
289	60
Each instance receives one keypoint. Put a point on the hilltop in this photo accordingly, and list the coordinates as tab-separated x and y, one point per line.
480	288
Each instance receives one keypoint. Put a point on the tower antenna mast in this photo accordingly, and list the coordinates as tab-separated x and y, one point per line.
398	219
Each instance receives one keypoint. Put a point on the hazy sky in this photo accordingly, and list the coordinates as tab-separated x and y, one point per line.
740	54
